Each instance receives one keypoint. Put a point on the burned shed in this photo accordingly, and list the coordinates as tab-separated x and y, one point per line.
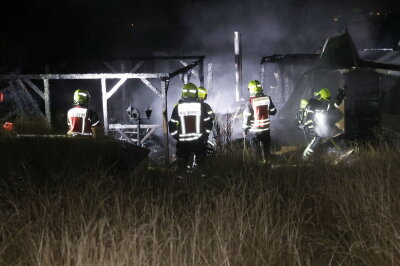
372	78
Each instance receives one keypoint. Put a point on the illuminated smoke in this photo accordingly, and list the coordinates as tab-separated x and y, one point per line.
267	28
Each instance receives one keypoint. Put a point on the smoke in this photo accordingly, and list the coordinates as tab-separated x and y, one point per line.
267	28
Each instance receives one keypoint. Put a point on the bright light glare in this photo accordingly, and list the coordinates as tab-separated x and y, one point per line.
320	118
321	123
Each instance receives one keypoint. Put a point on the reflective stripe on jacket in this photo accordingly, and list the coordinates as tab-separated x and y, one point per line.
190	120
317	117
257	112
81	120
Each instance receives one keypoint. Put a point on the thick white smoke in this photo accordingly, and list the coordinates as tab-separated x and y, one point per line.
267	27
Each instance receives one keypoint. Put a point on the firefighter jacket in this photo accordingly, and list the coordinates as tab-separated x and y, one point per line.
210	112
190	120
257	112
319	118
81	120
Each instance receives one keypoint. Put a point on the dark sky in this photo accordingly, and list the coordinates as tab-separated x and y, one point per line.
55	30
48	30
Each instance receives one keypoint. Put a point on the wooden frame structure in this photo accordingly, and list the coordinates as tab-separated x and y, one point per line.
164	79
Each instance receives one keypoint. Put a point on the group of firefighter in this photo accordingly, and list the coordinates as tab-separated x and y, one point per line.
192	120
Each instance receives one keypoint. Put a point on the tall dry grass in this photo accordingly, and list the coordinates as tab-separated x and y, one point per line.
222	132
31	125
239	214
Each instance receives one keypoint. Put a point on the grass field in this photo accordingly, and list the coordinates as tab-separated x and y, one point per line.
238	214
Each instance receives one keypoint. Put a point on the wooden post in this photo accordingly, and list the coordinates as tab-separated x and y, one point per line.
238	65
210	76
104	99
164	90
262	73
138	131
124	92
201	72
47	100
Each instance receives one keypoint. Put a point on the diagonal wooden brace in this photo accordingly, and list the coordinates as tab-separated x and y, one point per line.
152	87
115	88
32	86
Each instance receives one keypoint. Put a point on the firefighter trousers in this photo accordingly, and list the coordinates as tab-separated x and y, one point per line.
185	149
260	143
308	152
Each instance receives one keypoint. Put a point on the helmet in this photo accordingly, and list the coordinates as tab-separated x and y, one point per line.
255	87
81	97
189	91
202	93
324	94
303	103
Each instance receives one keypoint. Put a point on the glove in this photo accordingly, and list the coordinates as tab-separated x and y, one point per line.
342	92
301	126
341	95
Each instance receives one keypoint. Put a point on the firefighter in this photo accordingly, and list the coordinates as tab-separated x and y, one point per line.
300	116
81	119
320	118
256	119
202	95
190	124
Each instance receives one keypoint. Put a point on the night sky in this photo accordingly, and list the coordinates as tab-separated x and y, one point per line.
86	29
55	31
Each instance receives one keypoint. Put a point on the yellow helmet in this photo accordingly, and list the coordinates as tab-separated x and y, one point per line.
189	90
255	87
202	93
303	103
323	94
81	97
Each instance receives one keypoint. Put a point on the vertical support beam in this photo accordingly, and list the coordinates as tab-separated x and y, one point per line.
209	76
164	90
46	93
123	70
201	72
104	101
238	65
262	73
47	100
138	132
